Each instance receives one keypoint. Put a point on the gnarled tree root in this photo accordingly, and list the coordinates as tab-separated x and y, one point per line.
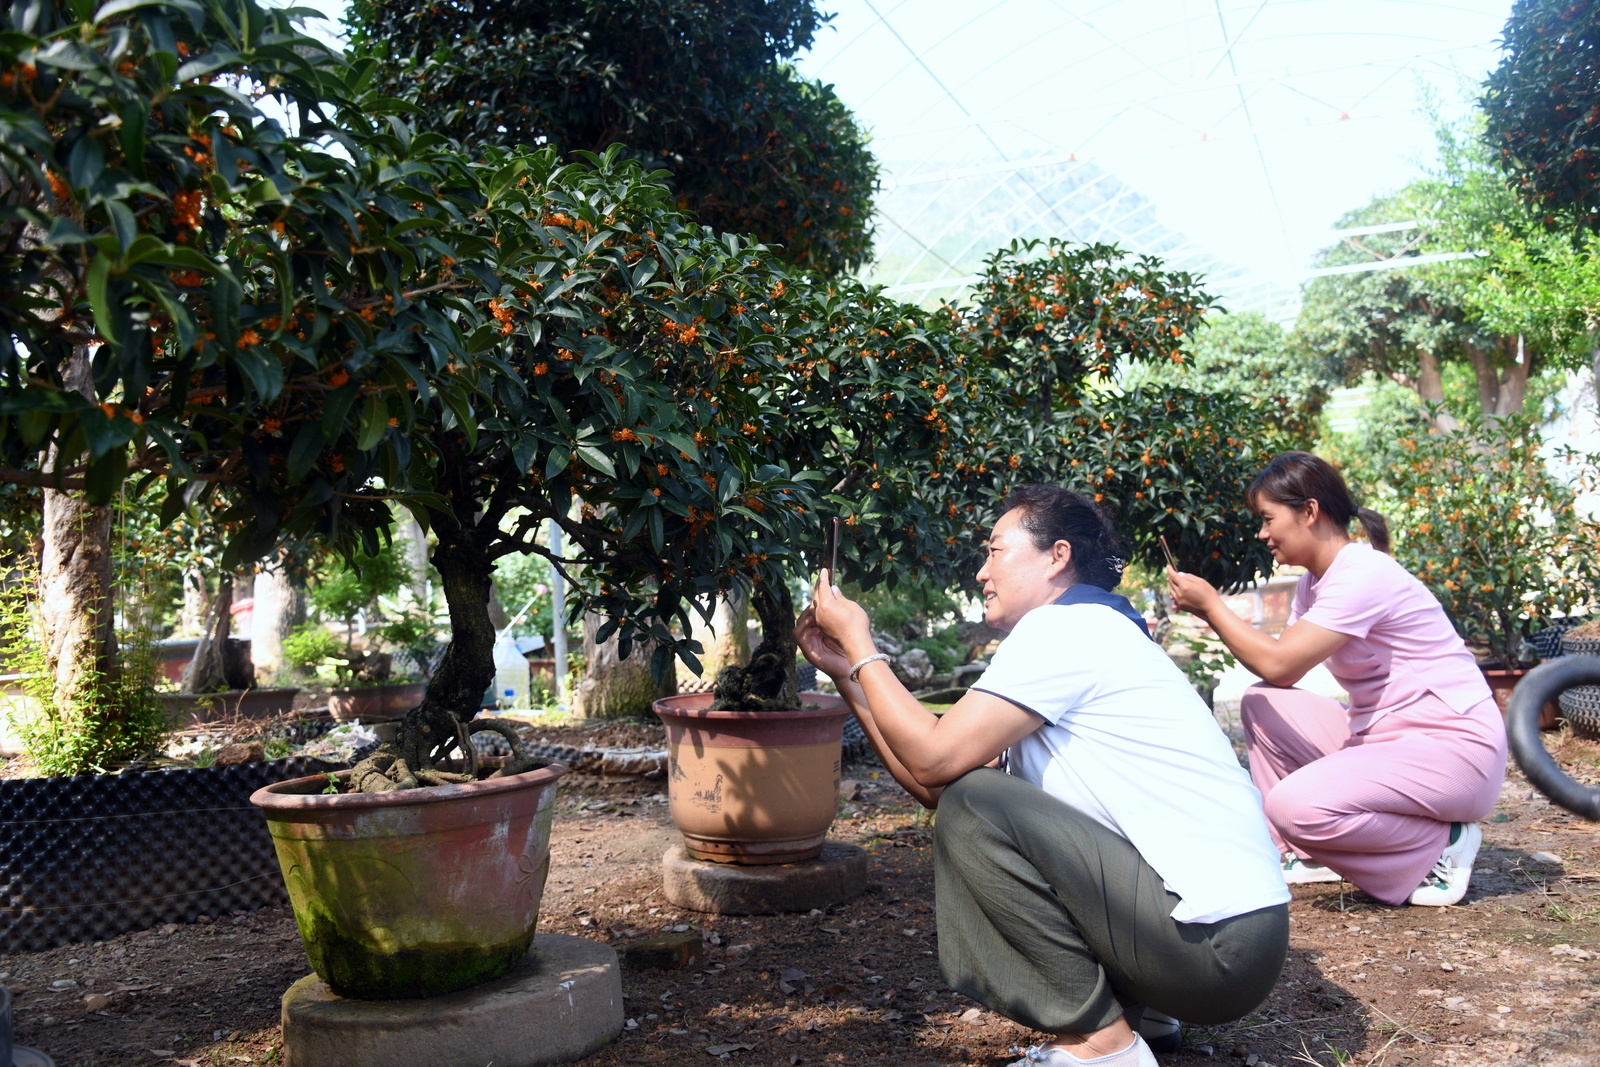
433	747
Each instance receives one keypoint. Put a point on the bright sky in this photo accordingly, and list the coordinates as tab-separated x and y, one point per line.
1226	135
1248	125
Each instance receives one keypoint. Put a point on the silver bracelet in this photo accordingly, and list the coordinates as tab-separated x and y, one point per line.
856	670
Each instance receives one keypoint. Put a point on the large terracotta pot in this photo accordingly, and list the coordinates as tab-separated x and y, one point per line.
1501	684
753	787
417	892
375	703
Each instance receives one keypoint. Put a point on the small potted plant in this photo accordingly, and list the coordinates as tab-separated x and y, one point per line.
1480	517
369	688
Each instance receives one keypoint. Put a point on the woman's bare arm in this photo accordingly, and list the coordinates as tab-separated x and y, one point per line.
1282	660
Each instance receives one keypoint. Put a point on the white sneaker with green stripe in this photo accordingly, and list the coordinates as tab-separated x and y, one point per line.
1446	884
1297	871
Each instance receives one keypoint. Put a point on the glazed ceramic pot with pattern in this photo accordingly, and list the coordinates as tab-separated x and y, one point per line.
753	787
416	892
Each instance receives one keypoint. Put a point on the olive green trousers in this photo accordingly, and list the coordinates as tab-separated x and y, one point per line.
1056	922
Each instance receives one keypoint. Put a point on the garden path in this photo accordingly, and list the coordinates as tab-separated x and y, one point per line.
1511	977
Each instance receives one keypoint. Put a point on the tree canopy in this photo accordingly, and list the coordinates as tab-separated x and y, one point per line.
1526	279
702	90
1542	105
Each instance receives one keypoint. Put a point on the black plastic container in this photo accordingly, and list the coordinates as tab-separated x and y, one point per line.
90	857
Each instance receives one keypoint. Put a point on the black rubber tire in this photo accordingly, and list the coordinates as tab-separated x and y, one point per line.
1538	687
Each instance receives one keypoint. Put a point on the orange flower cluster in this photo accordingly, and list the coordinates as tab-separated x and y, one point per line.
625	434
502	315
682	334
559	218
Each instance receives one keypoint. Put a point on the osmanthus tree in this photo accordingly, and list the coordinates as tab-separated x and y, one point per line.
147	207
1542	105
1052	330
1247	354
701	89
310	333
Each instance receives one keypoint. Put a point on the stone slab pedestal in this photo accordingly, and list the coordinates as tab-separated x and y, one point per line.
560	1004
838	874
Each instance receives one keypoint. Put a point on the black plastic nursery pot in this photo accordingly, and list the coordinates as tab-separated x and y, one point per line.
93	856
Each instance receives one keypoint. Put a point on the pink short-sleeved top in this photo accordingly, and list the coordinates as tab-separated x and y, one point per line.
1401	645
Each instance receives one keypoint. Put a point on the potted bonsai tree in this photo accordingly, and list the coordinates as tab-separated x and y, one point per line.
1480	515
917	423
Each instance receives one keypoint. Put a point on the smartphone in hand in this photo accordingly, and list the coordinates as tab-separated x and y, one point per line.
1166	550
830	548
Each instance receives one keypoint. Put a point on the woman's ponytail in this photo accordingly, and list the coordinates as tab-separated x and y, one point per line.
1377	528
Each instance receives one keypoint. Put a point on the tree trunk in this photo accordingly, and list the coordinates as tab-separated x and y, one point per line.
416	546
208	670
1502	382
192	619
614	687
467	669
280	606
75	583
769	682
1430	387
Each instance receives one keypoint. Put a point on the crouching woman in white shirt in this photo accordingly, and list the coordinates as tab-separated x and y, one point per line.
1097	847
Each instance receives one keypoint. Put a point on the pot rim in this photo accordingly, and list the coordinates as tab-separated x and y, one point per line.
375	686
275	798
831	705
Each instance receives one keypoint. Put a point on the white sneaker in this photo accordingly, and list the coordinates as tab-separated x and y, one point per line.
1446	884
1297	871
1137	1054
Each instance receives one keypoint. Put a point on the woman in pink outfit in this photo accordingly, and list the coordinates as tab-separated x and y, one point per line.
1385	792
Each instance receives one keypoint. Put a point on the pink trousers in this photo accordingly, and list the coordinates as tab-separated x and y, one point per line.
1376	806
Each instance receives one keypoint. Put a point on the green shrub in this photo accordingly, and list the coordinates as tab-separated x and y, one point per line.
1478	516
112	720
309	646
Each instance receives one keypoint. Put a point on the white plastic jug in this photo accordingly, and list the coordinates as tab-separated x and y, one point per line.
510	674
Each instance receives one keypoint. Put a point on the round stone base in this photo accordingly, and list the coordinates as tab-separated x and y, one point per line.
839	873
560	1004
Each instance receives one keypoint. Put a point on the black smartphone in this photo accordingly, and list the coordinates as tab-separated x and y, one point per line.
1166	550
830	548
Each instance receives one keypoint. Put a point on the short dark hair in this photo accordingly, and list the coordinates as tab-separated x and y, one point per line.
1051	513
1294	479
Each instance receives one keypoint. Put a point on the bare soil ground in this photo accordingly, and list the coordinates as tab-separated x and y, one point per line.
1512	976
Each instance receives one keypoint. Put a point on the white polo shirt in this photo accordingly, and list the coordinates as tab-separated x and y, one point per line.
1127	741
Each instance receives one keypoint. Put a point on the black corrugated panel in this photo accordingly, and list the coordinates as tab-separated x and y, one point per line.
90	857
